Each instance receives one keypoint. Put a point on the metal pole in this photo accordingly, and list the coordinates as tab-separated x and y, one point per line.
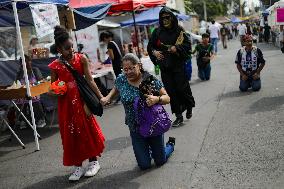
121	37
14	4
205	10
146	32
241	9
136	34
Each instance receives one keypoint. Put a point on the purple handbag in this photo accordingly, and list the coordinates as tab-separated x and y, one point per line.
152	121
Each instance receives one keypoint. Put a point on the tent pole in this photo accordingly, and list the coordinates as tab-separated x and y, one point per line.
121	37
136	34
76	40
146	32
14	4
16	44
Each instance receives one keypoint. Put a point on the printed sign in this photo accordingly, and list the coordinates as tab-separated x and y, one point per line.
45	18
89	38
280	15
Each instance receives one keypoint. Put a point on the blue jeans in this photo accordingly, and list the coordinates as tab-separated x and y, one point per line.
205	73
254	84
214	42
188	69
147	148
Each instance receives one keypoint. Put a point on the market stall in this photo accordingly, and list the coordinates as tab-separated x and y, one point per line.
42	14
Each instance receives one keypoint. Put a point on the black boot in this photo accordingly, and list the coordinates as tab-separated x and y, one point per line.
189	113
178	122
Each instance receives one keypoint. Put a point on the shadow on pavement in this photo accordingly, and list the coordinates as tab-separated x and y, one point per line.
196	81
26	135
54	182
266	104
114	181
118	143
233	94
120	180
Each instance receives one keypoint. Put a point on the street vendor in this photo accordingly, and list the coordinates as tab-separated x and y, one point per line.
34	76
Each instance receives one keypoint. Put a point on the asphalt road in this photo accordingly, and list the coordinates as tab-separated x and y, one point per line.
234	140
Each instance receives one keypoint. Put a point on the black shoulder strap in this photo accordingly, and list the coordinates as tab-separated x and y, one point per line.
69	66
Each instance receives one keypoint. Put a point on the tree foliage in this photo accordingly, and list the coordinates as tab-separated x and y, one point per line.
214	7
267	2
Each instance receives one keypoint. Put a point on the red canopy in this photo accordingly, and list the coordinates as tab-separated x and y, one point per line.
130	5
89	3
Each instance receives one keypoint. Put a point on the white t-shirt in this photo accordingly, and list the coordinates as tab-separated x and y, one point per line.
242	29
214	30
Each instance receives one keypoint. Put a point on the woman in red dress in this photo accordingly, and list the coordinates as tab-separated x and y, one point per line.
81	135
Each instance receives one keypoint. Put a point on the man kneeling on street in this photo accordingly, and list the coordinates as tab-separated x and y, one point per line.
249	62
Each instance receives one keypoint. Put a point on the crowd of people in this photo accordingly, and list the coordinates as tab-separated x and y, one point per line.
169	48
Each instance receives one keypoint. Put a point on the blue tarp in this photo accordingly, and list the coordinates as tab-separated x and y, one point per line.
8	20
150	16
235	20
84	17
24	4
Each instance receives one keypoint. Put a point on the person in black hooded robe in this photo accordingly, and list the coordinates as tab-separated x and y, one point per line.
169	48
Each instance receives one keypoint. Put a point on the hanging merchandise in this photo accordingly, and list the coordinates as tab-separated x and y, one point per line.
45	17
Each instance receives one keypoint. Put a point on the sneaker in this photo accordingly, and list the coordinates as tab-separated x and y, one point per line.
93	169
178	122
189	113
41	123
77	174
171	141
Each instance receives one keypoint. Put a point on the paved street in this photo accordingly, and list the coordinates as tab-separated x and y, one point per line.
234	140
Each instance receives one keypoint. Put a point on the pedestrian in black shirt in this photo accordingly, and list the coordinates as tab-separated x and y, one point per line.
113	51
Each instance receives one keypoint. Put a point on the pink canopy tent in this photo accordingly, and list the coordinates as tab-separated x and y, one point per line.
89	3
133	5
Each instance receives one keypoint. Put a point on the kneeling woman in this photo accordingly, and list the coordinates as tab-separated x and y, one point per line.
127	85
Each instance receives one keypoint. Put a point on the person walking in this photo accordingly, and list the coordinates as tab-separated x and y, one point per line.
127	85
266	32
224	35
250	62
169	48
204	55
214	35
81	135
242	32
114	51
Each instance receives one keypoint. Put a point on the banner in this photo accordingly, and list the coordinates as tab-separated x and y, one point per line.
89	38
280	16
45	17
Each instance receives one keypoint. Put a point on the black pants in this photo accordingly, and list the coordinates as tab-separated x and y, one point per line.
178	88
